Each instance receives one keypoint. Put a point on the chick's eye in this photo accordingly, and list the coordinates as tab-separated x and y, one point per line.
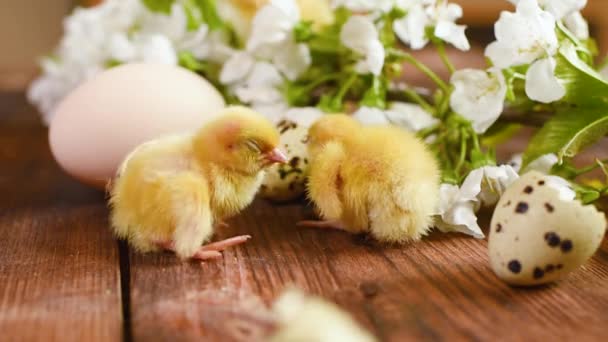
253	146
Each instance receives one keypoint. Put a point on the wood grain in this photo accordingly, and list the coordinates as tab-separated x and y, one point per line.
441	288
59	271
59	266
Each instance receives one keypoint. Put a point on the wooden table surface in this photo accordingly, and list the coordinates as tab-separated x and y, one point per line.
63	277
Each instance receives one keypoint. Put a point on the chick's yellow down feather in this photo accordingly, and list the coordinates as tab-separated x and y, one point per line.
170	192
378	179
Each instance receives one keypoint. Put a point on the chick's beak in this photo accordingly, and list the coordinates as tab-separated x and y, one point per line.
275	156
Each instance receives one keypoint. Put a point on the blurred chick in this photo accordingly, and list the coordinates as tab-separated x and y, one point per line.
170	192
381	179
240	13
303	318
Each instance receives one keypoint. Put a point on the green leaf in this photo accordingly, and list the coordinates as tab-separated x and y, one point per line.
568	132
210	15
585	86
161	6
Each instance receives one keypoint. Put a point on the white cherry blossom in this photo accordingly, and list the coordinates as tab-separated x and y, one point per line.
441	15
478	96
360	35
541	83
528	37
272	38
83	51
577	24
559	8
362	6
543	164
523	37
490	182
409	116
562	186
253	82
456	210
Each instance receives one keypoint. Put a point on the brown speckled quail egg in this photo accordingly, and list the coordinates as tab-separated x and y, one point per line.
540	233
287	181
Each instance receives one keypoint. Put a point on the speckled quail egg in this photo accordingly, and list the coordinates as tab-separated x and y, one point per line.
540	233
287	181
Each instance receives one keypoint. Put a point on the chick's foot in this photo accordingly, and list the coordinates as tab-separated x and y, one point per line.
209	251
223	244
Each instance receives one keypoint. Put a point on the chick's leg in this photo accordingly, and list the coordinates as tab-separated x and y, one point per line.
227	243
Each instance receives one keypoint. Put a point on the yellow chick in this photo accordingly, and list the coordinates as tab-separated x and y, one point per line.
170	192
381	180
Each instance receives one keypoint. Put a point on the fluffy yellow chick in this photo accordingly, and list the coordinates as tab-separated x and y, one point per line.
381	179
170	192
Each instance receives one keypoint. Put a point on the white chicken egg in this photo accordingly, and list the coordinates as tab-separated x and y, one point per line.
102	120
539	233
288	181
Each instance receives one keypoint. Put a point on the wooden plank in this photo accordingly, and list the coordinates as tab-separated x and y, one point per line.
441	288
59	266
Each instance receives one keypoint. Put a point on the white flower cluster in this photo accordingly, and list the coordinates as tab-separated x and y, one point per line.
484	187
256	74
526	37
119	31
271	56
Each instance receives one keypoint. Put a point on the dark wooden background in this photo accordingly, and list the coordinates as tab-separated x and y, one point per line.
64	278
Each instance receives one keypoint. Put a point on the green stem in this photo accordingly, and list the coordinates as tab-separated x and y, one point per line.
321	80
425	70
444	57
590	168
426	132
414	96
463	150
346	86
476	144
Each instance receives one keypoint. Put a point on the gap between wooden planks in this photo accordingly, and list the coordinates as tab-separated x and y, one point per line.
59	274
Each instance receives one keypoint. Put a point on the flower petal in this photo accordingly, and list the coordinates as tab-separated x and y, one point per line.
411	28
293	59
156	49
358	33
577	24
562	186
453	34
523	36
541	83
543	164
478	96
410	116
237	68
371	116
